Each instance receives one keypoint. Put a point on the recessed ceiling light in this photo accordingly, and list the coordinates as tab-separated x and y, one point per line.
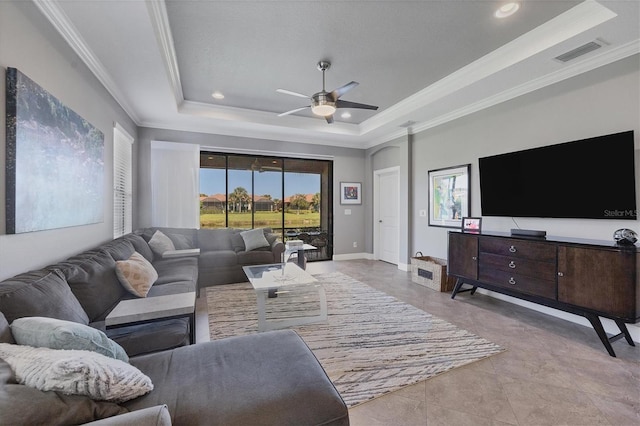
346	114
217	95
507	9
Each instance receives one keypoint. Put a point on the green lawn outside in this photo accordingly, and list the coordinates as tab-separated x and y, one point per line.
262	219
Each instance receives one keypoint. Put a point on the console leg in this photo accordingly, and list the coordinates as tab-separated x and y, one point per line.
597	326
623	328
456	288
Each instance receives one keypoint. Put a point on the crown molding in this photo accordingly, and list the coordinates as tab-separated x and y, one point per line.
160	23
575	21
60	21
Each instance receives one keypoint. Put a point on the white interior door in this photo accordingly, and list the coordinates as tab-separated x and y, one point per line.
387	215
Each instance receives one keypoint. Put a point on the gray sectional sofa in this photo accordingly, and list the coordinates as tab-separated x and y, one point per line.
222	252
263	379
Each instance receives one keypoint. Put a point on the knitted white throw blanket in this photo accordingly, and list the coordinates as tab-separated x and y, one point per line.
75	372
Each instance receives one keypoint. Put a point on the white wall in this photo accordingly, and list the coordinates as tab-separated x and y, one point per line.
29	43
348	166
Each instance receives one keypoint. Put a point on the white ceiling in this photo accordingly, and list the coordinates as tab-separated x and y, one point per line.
422	62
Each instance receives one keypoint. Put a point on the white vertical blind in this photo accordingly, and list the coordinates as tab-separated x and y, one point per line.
122	182
175	184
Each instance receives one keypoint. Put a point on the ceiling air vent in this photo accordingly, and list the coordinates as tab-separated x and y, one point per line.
579	51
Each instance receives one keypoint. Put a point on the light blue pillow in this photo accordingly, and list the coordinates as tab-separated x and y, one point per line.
254	239
42	332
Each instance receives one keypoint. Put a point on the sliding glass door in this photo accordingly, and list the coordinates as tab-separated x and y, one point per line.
291	196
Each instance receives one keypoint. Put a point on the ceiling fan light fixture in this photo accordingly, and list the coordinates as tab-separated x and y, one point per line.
323	110
323	105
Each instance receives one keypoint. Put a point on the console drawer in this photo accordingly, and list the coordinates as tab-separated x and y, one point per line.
517	282
540	251
520	266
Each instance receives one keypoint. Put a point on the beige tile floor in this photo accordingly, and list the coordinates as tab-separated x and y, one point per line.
553	372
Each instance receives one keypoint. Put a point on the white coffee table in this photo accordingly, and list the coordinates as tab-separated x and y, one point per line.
157	308
279	278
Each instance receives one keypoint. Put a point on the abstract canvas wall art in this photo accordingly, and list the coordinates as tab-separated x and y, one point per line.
55	161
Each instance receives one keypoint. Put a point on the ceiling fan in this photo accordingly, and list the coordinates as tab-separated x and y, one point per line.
325	103
256	166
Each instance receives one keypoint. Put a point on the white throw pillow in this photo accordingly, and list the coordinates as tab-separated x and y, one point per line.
160	243
73	372
42	332
254	239
136	274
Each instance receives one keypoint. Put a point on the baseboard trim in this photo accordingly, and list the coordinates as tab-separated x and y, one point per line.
609	325
353	256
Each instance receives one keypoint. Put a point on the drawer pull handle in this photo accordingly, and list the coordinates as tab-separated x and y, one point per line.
512	249
474	258
512	281
512	265
560	274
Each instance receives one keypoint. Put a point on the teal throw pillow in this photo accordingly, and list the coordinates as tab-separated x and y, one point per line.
42	332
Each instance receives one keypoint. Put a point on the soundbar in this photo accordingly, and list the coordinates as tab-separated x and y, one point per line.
528	233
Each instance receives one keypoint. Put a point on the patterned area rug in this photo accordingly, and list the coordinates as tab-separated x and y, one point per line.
370	345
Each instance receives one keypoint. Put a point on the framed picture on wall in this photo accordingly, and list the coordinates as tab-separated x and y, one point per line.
350	193
449	196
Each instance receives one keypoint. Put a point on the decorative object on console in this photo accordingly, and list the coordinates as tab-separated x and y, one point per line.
471	224
449	196
350	193
625	236
50	149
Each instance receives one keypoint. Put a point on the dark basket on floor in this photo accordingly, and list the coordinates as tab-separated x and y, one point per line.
431	272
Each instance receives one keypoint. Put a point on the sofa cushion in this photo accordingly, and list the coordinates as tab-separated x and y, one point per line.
217	258
42	293
291	389
181	242
254	239
255	257
160	243
41	332
92	278
140	245
215	239
119	249
35	407
237	243
176	269
74	372
5	331
152	337
136	274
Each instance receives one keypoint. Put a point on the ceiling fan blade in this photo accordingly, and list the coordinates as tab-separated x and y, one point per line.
289	92
292	111
344	89
347	104
329	119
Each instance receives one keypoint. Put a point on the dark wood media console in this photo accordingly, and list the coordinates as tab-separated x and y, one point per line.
589	278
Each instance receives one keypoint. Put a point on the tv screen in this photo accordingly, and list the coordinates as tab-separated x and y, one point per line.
591	179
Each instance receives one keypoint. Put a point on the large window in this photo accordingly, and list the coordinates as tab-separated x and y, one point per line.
291	196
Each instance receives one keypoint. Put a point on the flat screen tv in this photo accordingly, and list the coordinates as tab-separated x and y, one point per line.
589	179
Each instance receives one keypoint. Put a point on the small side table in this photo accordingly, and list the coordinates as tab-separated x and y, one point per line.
157	308
299	251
